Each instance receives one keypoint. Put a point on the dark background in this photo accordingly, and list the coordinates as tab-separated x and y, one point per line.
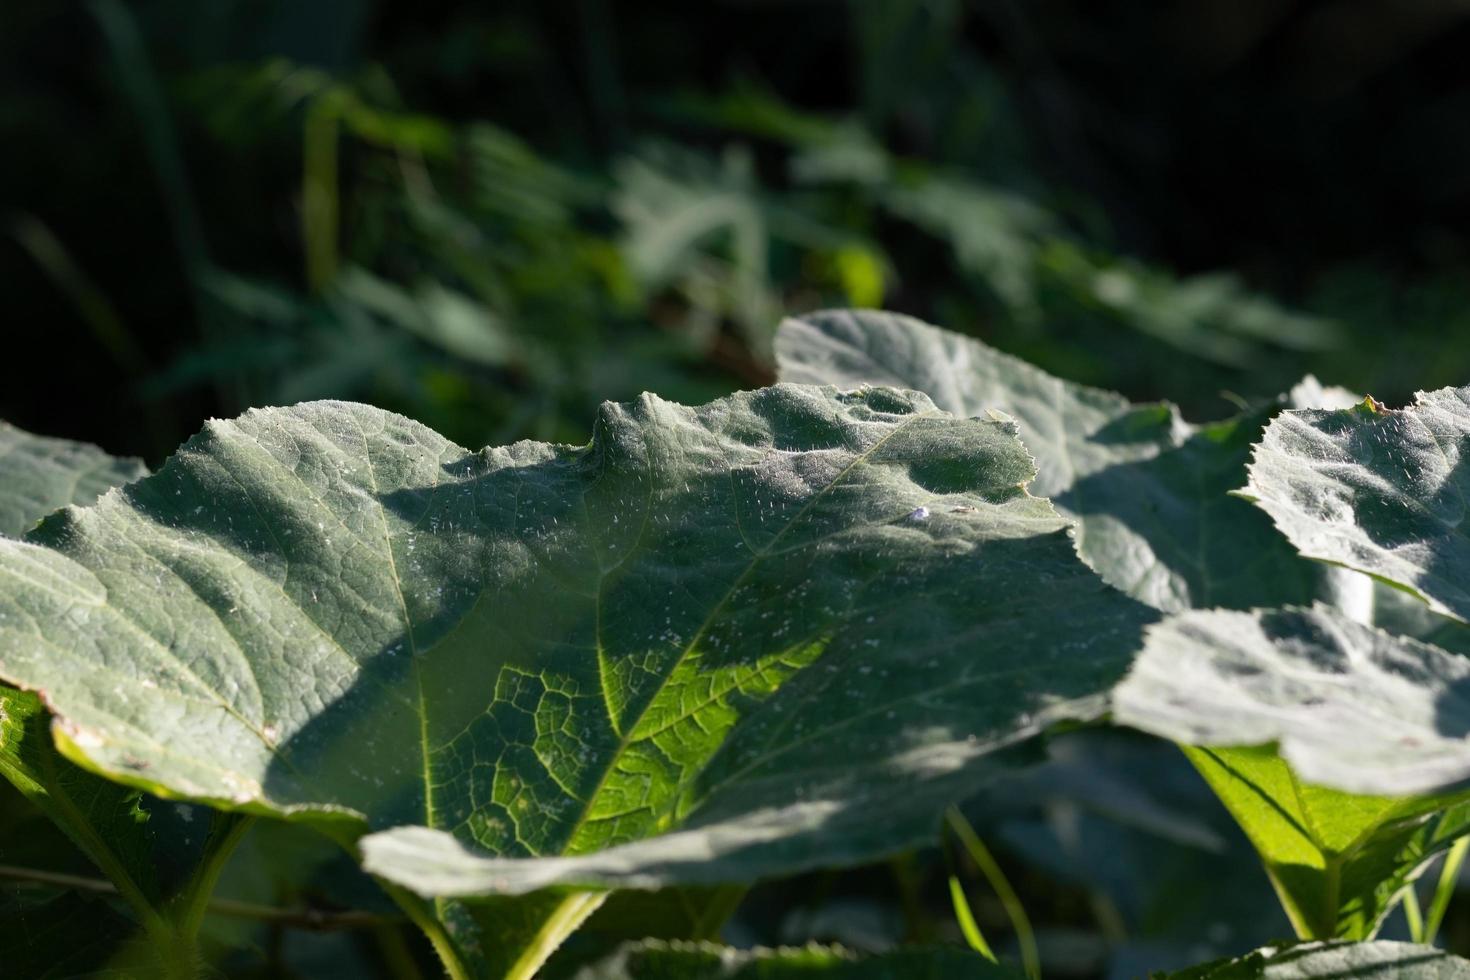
493	216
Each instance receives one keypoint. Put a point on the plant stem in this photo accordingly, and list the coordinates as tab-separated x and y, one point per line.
225	834
1449	876
312	920
985	861
319	190
1412	915
571	913
421	913
915	920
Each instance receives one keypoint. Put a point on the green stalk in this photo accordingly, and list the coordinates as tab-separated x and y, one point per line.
225	835
1413	916
915	921
319	190
571	913
1449	875
966	919
421	914
985	861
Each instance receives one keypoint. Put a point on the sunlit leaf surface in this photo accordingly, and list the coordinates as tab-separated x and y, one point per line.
780	630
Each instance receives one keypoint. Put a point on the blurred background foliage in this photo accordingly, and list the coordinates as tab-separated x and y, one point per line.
493	216
490	217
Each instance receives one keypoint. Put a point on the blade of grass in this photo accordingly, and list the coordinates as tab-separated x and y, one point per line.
1412	915
140	87
985	861
319	189
966	919
91	304
1449	876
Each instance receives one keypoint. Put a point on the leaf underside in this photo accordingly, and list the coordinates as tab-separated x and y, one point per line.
1352	706
756	623
1149	492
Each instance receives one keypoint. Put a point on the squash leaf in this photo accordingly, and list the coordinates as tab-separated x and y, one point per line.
1380	719
1335	960
1149	492
712	644
39	474
1377	490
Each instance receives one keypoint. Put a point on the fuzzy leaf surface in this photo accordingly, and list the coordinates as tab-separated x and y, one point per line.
109	823
1149	492
1352	706
1366	728
1377	490
1339	961
749	626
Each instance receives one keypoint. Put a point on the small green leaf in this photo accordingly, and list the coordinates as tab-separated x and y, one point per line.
1350	707
1149	492
709	646
1338	961
705	961
1378	490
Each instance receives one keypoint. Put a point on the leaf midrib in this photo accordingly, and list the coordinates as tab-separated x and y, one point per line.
626	739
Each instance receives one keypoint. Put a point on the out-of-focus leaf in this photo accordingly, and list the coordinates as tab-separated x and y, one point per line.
993	231
702	961
51	934
39	474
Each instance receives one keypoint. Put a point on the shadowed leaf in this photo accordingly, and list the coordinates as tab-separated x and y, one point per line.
710	645
1149	492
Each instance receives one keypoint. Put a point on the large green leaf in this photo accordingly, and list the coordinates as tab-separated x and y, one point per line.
1378	490
1338	961
1149	492
705	961
749	627
40	474
1349	706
